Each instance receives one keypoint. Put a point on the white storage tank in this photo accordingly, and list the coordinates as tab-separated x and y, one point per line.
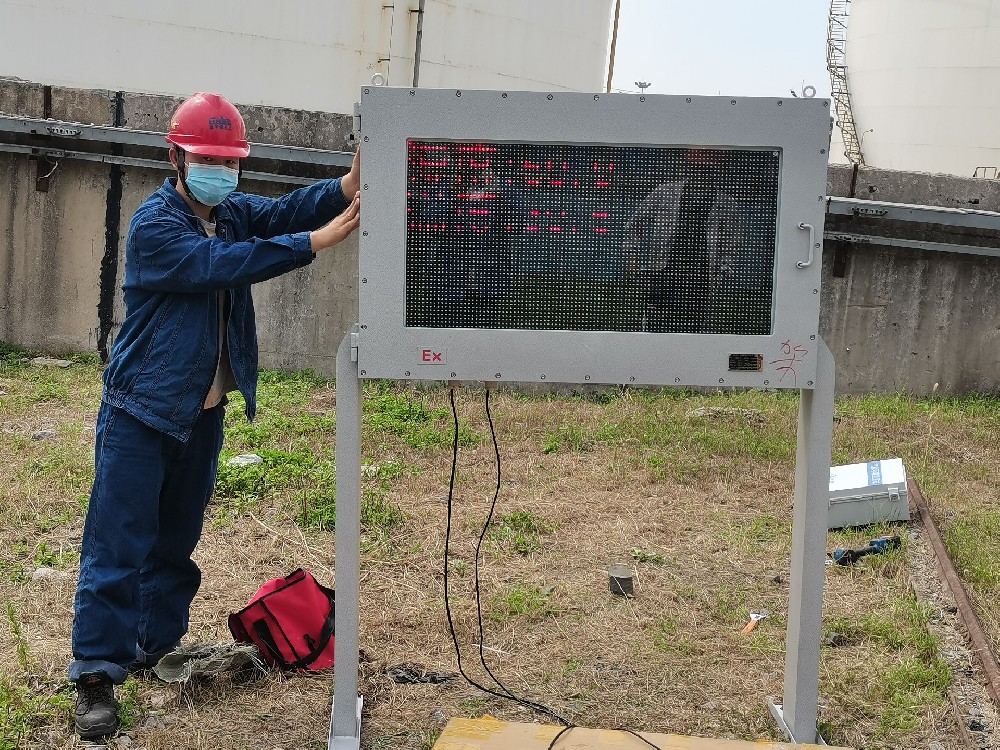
923	76
307	54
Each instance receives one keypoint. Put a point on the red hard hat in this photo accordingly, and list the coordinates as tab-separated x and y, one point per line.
209	125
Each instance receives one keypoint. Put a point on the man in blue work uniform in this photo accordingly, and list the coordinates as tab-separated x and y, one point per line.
189	337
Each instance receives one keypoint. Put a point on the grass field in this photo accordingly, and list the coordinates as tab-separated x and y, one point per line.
699	507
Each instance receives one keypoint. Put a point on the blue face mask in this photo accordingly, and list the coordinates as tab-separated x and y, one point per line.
211	183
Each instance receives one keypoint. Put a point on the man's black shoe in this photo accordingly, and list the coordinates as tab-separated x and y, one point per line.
96	707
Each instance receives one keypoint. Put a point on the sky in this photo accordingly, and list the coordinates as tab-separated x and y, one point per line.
728	47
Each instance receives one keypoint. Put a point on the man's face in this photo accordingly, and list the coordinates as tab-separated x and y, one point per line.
197	159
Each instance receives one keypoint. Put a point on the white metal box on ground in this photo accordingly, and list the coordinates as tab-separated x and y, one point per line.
872	492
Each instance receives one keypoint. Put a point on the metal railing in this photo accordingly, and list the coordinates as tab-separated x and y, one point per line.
934	228
55	140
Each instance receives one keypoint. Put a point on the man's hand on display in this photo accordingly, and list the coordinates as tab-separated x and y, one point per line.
339	229
350	183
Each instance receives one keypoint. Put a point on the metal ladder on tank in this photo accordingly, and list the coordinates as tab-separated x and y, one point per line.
836	63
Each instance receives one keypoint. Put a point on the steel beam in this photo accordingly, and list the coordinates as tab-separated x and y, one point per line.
147	139
940	247
953	217
55	154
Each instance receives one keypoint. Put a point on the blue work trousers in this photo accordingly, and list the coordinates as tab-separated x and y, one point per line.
147	507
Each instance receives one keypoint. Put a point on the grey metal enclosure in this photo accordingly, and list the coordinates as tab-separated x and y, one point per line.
603	238
593	238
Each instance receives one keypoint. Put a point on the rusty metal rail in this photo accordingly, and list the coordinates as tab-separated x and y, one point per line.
970	620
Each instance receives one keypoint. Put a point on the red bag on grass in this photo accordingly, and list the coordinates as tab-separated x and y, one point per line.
291	621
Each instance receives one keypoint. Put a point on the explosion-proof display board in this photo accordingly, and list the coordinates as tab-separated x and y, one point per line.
582	238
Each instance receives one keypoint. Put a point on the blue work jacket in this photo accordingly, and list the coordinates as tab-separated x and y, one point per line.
167	351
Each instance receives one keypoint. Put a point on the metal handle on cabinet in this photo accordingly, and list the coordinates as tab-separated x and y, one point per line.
812	245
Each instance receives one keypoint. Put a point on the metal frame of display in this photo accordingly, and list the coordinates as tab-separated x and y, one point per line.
380	346
390	118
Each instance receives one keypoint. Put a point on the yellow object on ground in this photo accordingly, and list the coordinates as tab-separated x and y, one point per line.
489	734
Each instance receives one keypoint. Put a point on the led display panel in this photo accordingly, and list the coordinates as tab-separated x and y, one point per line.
597	238
565	237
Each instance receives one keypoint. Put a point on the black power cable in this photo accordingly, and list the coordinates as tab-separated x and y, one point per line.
479	547
507	693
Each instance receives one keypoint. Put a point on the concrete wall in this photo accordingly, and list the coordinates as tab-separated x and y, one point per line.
51	254
898	319
895	319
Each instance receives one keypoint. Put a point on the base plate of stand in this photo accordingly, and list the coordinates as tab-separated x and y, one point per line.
779	716
344	742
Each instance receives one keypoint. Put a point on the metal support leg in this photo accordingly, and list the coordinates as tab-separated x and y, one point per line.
345	718
797	715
